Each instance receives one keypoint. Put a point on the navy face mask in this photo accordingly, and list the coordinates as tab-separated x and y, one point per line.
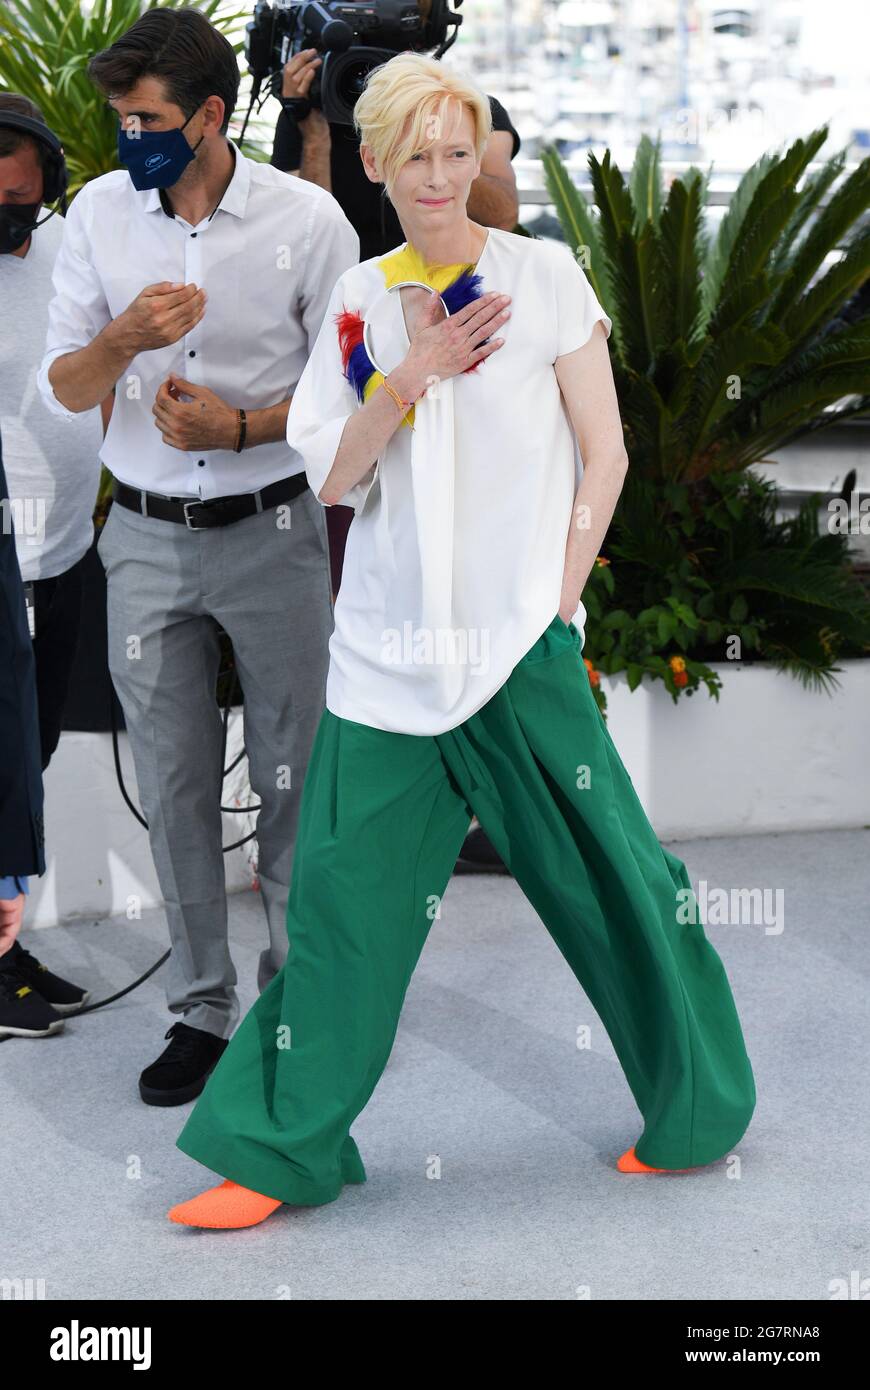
156	158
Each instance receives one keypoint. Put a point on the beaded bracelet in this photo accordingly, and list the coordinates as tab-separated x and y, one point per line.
404	406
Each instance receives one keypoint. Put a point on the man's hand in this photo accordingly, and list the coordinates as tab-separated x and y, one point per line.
158	316
11	913
297	77
205	422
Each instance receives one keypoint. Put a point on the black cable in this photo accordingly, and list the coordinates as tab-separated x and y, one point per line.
89	1008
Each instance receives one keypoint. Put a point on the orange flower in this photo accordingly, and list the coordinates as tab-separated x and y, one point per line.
678	664
594	677
600	560
681	678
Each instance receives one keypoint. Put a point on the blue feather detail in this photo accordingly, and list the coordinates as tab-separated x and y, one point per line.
461	292
359	368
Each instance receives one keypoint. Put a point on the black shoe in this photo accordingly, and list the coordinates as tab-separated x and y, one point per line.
478	856
182	1069
23	1012
60	994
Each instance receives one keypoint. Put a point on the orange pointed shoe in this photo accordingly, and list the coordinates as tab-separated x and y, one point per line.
225	1207
630	1163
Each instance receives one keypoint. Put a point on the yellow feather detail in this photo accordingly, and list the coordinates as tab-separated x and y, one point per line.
408	264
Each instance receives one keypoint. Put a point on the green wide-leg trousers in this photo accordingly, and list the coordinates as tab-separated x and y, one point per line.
382	820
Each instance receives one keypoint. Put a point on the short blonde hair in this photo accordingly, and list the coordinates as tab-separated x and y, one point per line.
412	84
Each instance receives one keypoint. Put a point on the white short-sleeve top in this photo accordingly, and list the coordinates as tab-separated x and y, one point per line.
454	560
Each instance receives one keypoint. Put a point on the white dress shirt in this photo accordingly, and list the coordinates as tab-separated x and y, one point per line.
268	258
455	557
52	466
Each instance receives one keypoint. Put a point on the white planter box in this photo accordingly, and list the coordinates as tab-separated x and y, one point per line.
98	859
769	755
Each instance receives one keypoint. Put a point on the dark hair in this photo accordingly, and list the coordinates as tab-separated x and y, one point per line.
12	140
194	59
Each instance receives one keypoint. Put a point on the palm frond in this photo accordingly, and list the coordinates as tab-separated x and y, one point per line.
645	182
680	231
830	291
814	186
829	227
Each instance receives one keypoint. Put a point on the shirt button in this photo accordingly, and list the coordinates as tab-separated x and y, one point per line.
192	352
193	234
201	463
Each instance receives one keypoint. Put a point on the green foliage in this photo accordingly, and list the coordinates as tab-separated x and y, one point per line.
723	348
704	572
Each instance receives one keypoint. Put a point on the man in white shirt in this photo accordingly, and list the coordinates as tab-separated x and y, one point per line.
195	282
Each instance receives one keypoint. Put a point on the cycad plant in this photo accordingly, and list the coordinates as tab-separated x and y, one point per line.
724	347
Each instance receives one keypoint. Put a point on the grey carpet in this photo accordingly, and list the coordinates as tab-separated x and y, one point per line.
485	1080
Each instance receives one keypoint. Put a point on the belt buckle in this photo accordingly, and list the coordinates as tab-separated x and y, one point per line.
187	521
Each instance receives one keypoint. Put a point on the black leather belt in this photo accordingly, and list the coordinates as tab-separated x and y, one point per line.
199	515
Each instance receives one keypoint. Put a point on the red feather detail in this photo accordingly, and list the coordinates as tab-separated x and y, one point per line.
350	333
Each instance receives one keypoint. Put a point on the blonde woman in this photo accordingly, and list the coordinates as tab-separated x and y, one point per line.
456	686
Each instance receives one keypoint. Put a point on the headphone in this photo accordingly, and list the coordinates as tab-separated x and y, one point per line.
55	175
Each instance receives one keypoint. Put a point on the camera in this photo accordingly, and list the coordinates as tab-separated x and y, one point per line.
353	36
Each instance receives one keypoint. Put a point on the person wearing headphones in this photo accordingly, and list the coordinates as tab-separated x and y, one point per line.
52	466
51	474
33	1001
23	1013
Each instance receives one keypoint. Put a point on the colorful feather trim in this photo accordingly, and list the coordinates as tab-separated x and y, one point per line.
456	290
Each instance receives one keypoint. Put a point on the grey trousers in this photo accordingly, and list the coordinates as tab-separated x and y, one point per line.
265	580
